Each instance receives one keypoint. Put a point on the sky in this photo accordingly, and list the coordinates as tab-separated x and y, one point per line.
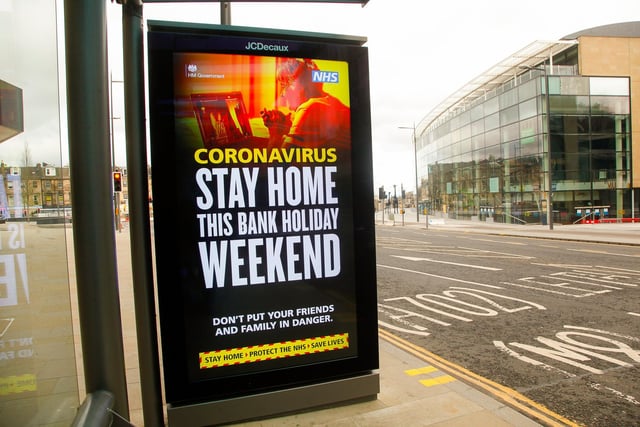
28	61
420	52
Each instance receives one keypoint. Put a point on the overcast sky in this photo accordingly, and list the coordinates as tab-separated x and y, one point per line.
419	51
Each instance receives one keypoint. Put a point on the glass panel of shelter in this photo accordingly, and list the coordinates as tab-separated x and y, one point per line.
38	370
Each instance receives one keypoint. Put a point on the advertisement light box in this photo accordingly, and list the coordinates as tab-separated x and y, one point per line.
263	209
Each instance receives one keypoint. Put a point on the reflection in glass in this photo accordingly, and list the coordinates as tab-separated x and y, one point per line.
609	105
38	376
589	147
569	124
569	104
608	86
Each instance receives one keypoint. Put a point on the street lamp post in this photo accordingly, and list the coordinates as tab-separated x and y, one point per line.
548	159
395	200
415	164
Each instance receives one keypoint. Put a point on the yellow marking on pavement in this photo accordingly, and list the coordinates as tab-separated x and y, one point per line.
420	371
507	395
443	379
430	382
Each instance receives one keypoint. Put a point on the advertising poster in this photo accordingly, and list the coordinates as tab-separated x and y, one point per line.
255	230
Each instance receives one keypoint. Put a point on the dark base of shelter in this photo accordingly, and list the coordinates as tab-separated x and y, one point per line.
298	399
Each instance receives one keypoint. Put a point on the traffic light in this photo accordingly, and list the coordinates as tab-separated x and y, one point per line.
381	194
117	181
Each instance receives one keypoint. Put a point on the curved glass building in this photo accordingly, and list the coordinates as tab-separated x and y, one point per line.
543	136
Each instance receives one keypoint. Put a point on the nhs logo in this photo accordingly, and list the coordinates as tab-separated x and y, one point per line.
318	76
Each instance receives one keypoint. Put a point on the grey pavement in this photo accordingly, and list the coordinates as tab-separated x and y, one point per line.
614	233
417	388
413	392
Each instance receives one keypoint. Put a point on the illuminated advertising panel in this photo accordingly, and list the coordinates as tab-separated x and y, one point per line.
261	176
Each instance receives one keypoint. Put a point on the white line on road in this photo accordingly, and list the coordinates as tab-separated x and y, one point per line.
409	258
626	270
491	253
603	252
438	276
502	242
634	314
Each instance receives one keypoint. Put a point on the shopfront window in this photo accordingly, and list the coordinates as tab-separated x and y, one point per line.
38	375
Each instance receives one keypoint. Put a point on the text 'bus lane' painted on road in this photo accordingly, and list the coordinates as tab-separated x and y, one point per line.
583	350
579	281
414	314
575	353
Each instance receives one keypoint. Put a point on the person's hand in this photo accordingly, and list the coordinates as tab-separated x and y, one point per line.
276	121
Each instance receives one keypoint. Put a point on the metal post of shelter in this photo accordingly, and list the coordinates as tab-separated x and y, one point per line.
225	13
139	222
92	198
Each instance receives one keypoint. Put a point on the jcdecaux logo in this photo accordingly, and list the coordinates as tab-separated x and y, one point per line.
267	47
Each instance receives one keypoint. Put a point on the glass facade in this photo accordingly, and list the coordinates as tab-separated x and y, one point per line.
38	374
489	161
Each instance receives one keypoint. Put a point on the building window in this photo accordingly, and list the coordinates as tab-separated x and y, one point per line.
609	105
509	98
608	86
528	108
569	104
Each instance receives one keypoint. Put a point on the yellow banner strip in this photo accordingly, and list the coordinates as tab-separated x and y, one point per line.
279	350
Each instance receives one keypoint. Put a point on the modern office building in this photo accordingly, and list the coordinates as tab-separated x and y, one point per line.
498	147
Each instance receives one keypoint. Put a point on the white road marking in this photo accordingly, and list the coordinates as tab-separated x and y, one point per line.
492	253
603	252
626	270
408	258
411	245
438	276
498	241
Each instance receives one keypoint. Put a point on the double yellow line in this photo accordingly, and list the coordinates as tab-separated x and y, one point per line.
505	394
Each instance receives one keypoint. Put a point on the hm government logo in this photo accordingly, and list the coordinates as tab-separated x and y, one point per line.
192	70
267	47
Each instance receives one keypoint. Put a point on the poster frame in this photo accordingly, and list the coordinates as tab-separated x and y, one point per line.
350	378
